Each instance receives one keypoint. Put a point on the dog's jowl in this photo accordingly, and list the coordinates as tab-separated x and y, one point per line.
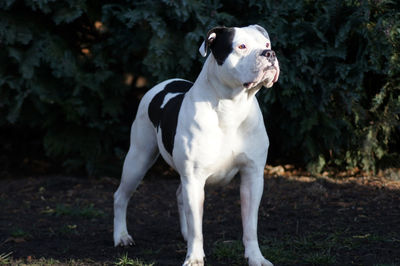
208	131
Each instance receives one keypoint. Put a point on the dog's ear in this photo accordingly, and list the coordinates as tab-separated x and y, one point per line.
219	40
262	30
211	35
210	38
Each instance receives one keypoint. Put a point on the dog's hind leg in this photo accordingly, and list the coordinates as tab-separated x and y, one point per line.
142	154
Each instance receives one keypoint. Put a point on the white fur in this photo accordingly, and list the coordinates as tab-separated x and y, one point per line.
203	47
220	133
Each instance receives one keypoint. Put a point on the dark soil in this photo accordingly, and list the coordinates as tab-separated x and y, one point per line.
66	218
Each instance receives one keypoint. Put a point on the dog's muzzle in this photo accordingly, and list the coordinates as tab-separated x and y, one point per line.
272	65
271	57
269	54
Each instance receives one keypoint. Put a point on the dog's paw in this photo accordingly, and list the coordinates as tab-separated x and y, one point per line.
193	262
123	239
259	261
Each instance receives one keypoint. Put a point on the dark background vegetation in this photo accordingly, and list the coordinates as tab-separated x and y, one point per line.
72	73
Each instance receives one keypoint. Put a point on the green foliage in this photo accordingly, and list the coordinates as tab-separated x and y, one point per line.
71	74
335	58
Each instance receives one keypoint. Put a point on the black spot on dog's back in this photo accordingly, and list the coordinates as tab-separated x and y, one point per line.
165	116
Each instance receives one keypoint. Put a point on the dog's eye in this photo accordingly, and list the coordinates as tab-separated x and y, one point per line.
267	45
242	46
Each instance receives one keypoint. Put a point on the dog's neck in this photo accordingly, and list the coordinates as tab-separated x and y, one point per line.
232	104
216	88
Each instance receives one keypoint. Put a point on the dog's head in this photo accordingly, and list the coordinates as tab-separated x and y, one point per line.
243	56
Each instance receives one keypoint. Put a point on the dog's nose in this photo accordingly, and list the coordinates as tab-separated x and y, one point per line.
269	54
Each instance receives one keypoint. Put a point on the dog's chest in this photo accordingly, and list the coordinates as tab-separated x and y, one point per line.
211	138
224	158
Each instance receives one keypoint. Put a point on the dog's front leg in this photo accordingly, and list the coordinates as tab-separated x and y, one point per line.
193	201
251	189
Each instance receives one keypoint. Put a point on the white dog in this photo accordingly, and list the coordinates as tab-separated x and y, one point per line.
208	131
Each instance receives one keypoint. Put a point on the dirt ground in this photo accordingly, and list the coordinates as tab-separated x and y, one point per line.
346	219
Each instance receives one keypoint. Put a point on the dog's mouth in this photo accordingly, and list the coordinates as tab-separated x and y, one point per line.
263	78
276	75
248	84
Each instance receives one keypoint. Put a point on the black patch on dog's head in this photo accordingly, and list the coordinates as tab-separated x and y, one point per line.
221	44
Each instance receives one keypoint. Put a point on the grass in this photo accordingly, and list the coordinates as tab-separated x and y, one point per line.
315	248
230	251
5	258
19	233
68	229
312	249
88	212
287	251
124	260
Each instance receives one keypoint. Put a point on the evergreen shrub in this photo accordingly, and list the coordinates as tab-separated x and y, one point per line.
72	72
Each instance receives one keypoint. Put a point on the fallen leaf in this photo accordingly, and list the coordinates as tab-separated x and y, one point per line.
15	240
